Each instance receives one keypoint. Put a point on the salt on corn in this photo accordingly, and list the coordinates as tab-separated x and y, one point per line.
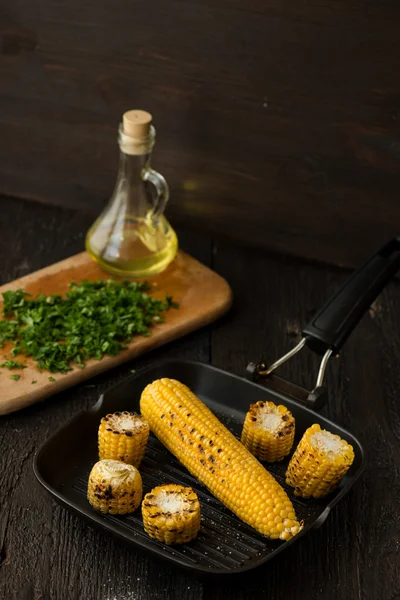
268	431
319	463
123	436
171	514
114	487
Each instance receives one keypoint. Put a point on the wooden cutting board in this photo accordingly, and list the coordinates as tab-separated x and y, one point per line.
203	296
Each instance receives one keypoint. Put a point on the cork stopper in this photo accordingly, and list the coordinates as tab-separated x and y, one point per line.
136	123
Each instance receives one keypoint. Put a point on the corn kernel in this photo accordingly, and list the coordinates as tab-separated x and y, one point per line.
123	436
268	431
171	514
114	487
319	463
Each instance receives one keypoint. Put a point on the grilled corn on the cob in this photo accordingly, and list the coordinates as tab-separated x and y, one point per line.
123	436
319	462
268	431
114	487
212	454
171	514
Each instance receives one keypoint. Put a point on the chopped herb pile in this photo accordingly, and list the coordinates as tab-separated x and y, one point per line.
94	319
15	377
13	364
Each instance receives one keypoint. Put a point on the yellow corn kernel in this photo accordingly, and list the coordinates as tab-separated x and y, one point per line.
123	436
171	514
184	424
114	487
268	431
319	463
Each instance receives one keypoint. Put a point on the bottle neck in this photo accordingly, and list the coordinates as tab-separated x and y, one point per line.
131	167
135	155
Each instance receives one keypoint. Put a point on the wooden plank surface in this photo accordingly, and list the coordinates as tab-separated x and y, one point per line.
277	123
203	296
47	553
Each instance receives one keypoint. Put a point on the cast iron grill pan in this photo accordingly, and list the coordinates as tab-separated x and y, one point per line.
225	545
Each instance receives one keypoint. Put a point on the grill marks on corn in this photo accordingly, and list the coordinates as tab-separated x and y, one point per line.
319	463
204	445
268	431
125	422
114	488
169	502
192	437
231	473
171	514
123	436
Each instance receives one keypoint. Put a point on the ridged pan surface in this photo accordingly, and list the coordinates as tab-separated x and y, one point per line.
225	545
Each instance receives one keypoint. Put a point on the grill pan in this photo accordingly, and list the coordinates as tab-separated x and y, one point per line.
225	545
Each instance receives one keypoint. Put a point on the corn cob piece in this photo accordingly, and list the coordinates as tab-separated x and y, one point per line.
123	436
114	487
268	431
171	514
211	453
319	463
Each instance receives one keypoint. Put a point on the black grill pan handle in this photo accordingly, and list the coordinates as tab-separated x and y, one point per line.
333	324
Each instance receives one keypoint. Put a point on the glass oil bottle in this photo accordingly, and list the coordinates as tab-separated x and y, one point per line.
132	238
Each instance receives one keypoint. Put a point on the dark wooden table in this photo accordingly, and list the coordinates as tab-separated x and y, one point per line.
47	553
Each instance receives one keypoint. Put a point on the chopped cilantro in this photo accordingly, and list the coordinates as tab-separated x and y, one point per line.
8	331
34	381
52	379
94	319
13	364
15	377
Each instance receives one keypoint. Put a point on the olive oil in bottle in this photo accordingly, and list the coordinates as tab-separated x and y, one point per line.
132	238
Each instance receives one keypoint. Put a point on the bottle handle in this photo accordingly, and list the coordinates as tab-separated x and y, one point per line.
162	190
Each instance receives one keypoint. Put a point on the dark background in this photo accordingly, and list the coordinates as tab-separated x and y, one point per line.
278	121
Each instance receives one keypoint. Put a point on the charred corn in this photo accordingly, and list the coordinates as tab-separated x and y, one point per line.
211	453
123	436
268	431
171	514
319	462
114	487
